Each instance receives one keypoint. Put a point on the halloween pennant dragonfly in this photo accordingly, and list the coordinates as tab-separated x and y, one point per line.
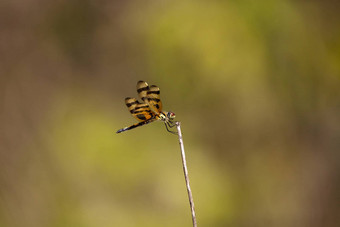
150	109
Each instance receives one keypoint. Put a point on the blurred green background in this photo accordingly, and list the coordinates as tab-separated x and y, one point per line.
256	85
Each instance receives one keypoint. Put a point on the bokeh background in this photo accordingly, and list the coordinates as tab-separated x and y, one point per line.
256	85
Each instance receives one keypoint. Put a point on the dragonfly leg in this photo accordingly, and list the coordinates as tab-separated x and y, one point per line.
171	124
166	126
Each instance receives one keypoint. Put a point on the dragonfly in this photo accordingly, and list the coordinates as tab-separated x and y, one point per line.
150	109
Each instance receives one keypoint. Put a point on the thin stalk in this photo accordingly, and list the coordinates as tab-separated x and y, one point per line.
186	175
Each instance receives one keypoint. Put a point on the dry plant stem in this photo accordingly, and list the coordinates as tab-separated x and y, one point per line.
185	169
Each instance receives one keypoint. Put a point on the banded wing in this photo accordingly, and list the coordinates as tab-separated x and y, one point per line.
140	111
142	89
150	95
153	99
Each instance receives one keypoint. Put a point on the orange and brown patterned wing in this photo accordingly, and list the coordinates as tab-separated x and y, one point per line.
150	95
140	111
153	99
142	89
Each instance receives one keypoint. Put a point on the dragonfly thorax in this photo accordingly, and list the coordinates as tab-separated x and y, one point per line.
167	116
162	116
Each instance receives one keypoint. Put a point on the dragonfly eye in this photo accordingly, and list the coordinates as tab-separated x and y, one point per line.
171	115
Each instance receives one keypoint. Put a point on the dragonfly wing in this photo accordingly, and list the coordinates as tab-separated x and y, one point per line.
153	99
131	103
140	111
142	89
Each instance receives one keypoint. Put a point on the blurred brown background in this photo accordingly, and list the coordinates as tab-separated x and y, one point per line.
256	85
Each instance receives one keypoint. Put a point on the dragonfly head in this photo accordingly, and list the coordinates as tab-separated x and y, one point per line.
171	115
